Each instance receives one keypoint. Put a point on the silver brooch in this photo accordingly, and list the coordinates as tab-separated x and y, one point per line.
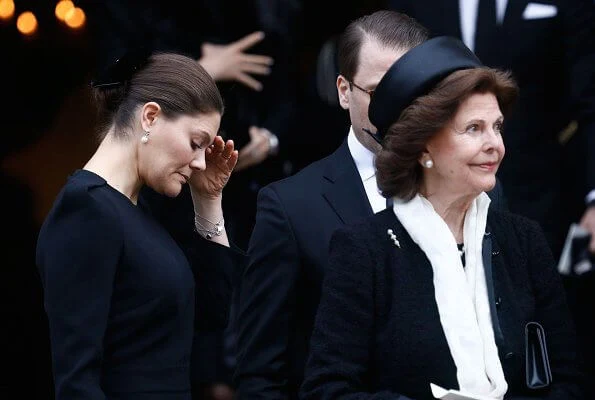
393	238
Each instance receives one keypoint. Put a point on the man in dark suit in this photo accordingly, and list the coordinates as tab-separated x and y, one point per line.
280	289
549	47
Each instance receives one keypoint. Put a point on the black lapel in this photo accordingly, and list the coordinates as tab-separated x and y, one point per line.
345	191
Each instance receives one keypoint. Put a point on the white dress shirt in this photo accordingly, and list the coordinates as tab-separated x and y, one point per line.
364	162
468	13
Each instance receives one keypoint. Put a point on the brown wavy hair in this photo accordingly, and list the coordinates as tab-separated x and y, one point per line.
398	170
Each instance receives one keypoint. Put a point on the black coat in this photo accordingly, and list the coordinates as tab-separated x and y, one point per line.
378	332
123	296
280	289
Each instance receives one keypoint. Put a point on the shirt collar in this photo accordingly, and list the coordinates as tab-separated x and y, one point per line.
364	158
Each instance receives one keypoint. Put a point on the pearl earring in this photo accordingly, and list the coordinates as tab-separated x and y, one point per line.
428	163
145	137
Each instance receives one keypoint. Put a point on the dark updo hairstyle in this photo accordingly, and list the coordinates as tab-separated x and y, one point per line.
179	84
398	170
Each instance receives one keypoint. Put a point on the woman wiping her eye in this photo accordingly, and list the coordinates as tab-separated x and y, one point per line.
123	296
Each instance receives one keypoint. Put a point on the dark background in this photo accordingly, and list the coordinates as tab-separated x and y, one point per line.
47	131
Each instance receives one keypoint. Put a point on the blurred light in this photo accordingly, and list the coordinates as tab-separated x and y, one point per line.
6	9
27	23
62	8
75	17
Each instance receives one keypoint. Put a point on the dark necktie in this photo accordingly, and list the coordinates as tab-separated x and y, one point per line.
485	28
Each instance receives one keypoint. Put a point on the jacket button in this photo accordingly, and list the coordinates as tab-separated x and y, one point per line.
509	355
498	301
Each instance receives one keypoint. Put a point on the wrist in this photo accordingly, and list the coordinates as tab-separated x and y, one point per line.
200	199
590	199
208	207
208	228
208	217
211	70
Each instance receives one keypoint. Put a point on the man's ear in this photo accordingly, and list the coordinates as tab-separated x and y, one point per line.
149	113
343	87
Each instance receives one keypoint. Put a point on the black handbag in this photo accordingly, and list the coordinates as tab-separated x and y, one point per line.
537	362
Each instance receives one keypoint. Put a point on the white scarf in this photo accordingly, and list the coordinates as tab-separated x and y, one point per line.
461	293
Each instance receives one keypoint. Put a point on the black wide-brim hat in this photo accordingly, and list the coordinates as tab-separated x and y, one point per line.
414	75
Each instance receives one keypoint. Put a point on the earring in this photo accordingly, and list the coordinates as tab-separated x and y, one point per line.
428	163
145	137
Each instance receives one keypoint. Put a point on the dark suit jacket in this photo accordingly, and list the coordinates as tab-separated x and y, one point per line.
378	332
280	288
553	61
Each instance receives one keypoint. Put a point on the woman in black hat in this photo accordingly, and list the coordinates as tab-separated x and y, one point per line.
438	292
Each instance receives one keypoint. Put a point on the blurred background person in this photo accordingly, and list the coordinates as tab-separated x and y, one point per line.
245	47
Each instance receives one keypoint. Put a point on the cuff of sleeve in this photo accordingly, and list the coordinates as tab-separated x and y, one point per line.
590	199
273	143
230	260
